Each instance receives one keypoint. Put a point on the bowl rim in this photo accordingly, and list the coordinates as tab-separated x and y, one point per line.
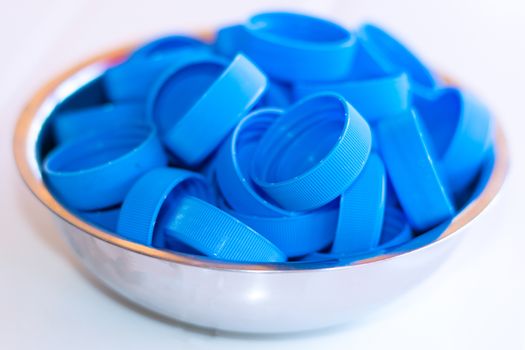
25	139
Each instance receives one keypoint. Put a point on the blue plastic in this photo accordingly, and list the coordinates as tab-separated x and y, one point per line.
364	66
461	130
91	94
394	57
97	170
132	80
396	236
293	47
374	99
412	171
424	238
361	210
396	230
228	40
105	219
217	234
233	165
196	100
307	182
74	124
150	197
277	95
313	153
485	174
166	45
296	235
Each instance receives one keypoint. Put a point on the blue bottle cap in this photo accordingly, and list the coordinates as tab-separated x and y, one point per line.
294	233
298	234
106	219
394	57
461	130
196	100
217	234
313	153
234	162
396	230
485	174
364	66
91	94
423	238
412	171
76	123
133	79
295	47
179	247
395	235
361	210
374	98
278	95
148	200
228	40
165	46
97	170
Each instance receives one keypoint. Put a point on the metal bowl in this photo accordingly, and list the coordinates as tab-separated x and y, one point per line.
264	298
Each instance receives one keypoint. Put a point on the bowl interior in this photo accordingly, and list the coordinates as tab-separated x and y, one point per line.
81	86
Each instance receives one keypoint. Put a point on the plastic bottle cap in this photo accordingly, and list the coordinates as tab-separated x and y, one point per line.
106	219
461	132
234	161
394	57
145	203
308	48
166	45
396	230
196	100
74	124
133	79
412	171
374	99
361	210
215	233
313	153
97	170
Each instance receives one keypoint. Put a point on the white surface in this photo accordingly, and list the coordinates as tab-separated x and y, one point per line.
475	301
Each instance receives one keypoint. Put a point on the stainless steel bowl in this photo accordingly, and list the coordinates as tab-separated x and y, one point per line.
252	298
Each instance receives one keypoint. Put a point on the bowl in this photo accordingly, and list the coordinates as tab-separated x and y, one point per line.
253	298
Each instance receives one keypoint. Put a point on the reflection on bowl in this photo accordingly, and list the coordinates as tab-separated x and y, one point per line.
257	298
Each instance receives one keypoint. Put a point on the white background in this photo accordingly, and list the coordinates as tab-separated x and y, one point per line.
475	301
